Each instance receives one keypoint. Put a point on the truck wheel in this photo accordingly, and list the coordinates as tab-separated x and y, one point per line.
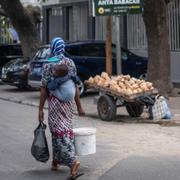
106	107
134	109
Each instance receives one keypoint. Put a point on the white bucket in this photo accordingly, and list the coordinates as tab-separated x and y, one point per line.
85	141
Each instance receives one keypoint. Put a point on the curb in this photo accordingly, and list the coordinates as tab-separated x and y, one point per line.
16	100
28	103
35	104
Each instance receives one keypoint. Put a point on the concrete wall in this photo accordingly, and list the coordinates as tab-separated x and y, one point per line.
175	64
32	2
50	2
71	1
175	67
29	1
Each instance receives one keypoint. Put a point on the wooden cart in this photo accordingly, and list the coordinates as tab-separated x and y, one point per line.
109	100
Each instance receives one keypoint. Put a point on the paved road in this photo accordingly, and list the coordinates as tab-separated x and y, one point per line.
145	168
125	149
117	144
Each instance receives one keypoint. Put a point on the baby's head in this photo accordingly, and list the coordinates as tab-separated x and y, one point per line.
60	70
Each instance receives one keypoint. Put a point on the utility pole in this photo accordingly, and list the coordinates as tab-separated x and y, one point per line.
109	45
118	48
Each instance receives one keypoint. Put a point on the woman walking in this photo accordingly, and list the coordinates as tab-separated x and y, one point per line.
60	113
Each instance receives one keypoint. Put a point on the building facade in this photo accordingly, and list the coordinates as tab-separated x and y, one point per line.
69	19
30	2
72	20
137	42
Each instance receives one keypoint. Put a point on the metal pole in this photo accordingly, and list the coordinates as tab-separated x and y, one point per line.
109	45
118	48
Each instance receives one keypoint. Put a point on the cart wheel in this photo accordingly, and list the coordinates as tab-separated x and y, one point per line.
134	109
106	106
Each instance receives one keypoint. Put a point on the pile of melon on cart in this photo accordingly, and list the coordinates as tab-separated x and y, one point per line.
121	90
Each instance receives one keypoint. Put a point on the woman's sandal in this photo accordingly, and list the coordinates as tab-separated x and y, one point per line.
74	170
54	166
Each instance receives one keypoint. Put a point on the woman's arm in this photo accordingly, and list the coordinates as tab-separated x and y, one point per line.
43	97
78	103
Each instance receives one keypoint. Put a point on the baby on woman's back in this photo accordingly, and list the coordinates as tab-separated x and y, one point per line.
62	83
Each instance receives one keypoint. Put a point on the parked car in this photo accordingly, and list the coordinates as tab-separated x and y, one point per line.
15	73
35	67
89	58
9	52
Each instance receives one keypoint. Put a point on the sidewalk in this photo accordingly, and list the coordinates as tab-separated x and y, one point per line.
31	98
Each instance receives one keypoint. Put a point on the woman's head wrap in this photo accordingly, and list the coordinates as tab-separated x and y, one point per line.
57	46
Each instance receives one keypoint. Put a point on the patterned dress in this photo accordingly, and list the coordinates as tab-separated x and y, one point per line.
60	116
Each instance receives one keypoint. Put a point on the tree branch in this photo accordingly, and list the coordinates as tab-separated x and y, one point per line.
22	21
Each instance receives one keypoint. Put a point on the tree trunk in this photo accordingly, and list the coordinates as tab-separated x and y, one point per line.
23	24
155	20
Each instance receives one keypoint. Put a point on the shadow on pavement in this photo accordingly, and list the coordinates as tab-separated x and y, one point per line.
39	174
144	168
45	174
89	94
17	90
94	116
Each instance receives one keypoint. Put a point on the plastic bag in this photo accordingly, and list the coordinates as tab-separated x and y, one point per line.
146	100
160	109
39	148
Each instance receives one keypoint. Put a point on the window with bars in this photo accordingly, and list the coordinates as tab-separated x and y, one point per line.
4	34
57	11
174	24
136	34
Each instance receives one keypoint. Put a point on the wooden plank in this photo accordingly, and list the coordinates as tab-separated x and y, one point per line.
117	94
